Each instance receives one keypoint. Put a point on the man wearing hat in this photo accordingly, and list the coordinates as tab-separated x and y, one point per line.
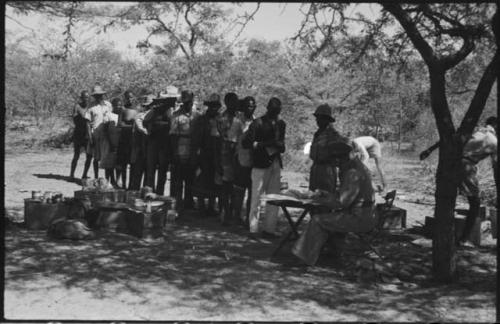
207	144
138	152
184	157
351	208
97	116
266	138
158	150
323	174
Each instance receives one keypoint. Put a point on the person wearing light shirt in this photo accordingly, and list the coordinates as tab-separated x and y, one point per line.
367	147
481	145
96	117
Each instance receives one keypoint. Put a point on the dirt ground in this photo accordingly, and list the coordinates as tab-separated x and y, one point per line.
208	272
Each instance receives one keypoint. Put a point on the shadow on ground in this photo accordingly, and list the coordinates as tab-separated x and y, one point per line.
58	177
226	272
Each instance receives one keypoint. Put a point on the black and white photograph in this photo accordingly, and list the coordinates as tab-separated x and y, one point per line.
250	161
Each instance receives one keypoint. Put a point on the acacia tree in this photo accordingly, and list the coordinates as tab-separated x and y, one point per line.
443	35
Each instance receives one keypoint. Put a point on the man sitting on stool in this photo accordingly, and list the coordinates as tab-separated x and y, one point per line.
352	206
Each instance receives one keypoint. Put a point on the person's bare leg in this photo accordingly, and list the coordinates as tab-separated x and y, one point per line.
96	168
380	172
76	156
88	160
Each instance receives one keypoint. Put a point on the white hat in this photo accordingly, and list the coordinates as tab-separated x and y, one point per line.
172	92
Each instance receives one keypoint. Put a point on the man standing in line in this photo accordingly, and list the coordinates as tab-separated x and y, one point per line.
243	177
266	138
230	129
183	168
96	116
482	144
207	142
125	123
158	148
138	151
80	134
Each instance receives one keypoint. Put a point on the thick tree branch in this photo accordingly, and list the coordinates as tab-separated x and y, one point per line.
411	29
482	93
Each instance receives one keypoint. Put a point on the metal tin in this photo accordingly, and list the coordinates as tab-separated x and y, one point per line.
36	194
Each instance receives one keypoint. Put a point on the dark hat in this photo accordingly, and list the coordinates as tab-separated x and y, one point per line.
324	110
212	99
97	90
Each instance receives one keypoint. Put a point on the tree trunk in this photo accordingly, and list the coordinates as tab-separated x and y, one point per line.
443	247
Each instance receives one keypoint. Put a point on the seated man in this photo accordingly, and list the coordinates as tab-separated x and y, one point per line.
352	207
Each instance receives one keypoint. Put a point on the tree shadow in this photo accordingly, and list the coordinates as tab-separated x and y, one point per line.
220	271
58	177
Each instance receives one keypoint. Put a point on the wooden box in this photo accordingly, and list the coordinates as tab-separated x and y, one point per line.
37	214
390	217
132	222
475	236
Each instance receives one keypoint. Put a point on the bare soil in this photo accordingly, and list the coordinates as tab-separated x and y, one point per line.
208	272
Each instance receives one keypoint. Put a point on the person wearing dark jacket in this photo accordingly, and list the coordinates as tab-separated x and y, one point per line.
266	138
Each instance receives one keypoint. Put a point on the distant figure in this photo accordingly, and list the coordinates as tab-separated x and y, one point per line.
80	134
368	147
482	144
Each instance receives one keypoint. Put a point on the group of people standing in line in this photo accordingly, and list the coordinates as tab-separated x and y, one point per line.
224	154
227	153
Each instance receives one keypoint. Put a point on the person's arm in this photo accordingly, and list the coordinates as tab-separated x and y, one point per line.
248	139
494	163
424	154
280	141
380	172
139	122
346	194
